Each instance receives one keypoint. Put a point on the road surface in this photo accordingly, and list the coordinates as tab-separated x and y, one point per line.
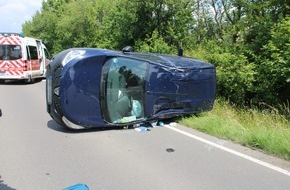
37	153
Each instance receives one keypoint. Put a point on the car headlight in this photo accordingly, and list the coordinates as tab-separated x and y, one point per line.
71	55
48	90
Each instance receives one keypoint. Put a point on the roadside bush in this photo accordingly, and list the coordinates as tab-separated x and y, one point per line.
235	75
154	44
275	65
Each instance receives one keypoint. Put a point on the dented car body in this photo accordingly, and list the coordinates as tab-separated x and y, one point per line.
88	87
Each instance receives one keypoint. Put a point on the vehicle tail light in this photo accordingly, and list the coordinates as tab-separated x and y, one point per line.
25	66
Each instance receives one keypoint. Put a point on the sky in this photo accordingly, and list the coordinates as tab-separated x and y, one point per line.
13	13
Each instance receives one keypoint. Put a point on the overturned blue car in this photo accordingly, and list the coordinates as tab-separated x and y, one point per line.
87	87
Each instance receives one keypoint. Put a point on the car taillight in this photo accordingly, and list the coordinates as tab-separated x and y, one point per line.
25	66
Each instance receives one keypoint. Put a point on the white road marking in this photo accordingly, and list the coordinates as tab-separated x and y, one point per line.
265	164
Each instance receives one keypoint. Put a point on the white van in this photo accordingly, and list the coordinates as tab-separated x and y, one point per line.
22	58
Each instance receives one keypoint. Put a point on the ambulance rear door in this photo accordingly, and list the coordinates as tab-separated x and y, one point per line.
33	57
41	57
11	62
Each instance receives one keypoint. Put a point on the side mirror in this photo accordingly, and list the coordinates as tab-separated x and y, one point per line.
127	49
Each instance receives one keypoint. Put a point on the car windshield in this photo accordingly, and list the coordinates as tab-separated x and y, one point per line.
10	52
124	89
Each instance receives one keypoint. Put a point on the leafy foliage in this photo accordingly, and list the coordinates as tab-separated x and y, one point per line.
154	44
277	60
235	76
247	40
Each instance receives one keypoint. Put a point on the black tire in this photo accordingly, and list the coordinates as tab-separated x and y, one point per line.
30	80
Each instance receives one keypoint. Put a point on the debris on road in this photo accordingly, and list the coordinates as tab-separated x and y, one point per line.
142	129
78	186
145	126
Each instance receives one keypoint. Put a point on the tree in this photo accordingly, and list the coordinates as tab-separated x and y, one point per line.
77	24
155	44
44	23
171	19
247	40
275	64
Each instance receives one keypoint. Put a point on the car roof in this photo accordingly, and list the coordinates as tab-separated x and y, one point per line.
166	60
171	61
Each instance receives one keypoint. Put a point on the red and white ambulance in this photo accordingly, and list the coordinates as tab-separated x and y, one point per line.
22	58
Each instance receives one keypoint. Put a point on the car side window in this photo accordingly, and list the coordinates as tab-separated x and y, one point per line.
124	89
33	52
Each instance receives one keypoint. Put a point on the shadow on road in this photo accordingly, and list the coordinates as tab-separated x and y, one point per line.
55	126
3	186
20	82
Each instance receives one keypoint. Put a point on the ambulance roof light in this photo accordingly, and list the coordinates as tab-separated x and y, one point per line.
6	34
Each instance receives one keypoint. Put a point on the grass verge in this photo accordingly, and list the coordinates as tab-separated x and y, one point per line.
264	130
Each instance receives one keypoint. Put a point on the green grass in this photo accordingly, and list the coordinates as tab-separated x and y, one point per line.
265	130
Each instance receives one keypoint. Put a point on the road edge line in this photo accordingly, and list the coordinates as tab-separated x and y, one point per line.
252	159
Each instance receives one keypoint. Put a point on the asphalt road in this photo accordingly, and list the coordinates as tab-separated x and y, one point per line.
37	153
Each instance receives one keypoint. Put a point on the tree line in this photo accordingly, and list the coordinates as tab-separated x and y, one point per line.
247	40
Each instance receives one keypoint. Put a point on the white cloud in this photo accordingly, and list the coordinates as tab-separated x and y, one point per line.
15	12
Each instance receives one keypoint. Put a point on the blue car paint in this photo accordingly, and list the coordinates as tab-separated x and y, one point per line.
80	91
179	92
174	86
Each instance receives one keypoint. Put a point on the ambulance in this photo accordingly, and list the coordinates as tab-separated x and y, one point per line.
22	58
